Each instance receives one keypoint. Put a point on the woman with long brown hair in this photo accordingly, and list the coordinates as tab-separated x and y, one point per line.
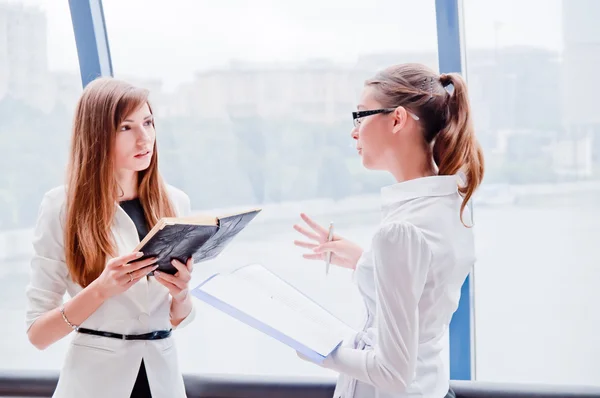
83	242
416	125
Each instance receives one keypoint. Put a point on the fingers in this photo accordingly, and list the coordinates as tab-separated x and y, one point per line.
183	272
316	227
140	273
308	234
174	286
306	245
314	256
178	282
138	265
129	279
173	289
303	357
190	264
328	246
181	268
118	261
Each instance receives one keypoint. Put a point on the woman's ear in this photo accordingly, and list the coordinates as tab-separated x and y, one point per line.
400	116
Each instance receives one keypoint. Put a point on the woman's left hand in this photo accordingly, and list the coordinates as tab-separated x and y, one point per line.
177	284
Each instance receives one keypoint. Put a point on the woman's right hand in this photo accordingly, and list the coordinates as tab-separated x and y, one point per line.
344	253
118	275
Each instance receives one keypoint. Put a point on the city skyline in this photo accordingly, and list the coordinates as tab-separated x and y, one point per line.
271	32
325	89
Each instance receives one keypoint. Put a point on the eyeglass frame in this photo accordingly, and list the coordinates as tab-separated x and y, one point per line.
357	115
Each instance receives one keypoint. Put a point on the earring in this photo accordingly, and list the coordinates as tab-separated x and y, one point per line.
122	192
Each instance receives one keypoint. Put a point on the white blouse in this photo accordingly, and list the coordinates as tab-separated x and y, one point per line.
410	280
97	366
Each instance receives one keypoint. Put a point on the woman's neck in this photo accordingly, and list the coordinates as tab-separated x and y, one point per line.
412	169
128	184
411	160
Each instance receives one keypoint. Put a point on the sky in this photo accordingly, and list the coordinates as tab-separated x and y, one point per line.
171	40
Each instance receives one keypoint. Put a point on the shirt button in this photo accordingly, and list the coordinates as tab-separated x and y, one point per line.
144	318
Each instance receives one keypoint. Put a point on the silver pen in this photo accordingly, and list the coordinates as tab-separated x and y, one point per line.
328	254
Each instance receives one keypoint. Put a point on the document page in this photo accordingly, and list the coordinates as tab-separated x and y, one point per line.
287	314
287	294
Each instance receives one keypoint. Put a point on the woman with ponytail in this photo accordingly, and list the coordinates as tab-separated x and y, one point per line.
416	125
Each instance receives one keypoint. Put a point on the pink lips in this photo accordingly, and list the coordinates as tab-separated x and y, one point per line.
143	154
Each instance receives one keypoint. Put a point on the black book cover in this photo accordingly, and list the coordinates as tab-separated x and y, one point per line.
181	239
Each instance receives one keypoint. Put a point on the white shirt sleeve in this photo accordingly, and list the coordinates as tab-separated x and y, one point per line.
401	259
48	273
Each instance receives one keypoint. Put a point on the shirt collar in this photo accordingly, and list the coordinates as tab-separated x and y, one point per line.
420	187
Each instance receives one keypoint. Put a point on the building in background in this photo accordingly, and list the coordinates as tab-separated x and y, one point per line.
24	73
579	146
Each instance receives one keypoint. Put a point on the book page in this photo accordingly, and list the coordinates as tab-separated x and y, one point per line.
291	296
293	318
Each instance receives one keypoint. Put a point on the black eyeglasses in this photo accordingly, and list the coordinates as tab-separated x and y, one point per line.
358	115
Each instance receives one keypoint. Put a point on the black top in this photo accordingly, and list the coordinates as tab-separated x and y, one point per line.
135	211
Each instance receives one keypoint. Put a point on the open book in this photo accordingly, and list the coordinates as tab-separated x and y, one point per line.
201	237
259	298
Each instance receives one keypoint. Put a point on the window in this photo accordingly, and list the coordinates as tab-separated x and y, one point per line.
254	103
532	79
39	84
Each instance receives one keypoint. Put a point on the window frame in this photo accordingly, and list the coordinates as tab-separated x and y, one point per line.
452	58
91	39
93	51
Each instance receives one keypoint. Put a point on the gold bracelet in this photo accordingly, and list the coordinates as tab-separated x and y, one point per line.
62	312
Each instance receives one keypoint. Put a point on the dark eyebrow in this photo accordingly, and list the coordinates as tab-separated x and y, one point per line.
146	118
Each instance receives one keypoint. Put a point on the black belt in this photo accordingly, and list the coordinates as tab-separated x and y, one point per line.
156	335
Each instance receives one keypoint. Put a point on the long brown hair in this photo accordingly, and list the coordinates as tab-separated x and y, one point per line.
444	116
92	190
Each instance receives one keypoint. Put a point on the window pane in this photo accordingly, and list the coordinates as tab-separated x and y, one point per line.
532	70
39	84
253	103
